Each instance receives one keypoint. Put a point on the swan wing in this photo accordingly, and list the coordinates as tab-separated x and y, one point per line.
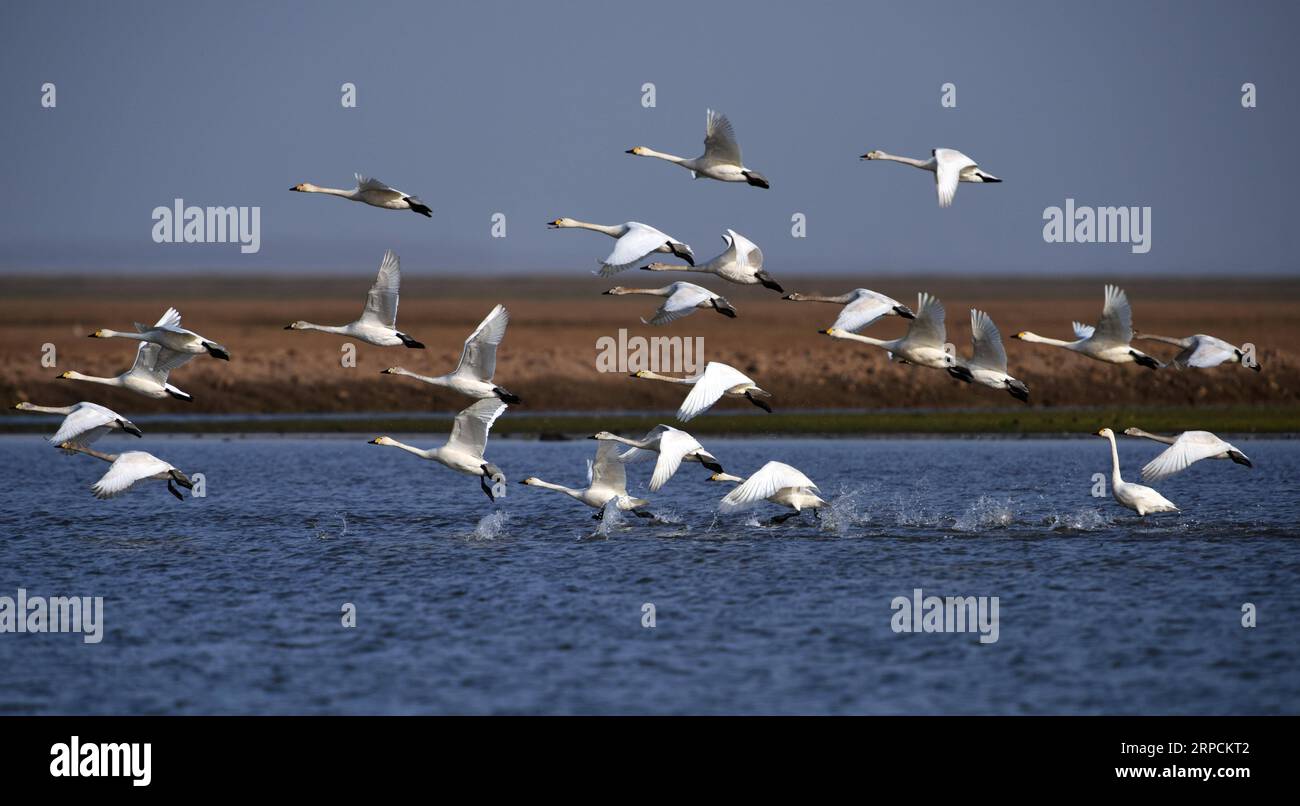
1116	325
126	470
1190	447
864	309
987	342
170	320
470	431
673	447
685	298
748	255
85	425
948	165
1082	331
1205	353
631	247
709	387
381	300
927	328
157	362
607	470
720	139
478	359
770	479
368	184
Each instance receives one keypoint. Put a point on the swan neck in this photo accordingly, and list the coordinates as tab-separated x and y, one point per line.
49	409
650	152
905	160
1114	462
1037	339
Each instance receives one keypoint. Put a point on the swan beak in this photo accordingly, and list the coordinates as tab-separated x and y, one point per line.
1019	335
630	151
593	436
296	188
374	441
288	327
830	331
606	293
96	334
62	376
553	224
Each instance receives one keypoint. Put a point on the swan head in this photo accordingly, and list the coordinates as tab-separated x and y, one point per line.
830	331
382	441
66	376
530	481
299	325
616	290
24	406
640	373
873	155
1022	334
638	150
560	223
303	187
392	371
601	435
99	334
1106	433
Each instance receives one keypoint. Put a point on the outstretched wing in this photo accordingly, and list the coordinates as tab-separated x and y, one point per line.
1205	353
607	470
631	247
85	425
1082	331
948	165
126	470
927	328
767	482
381	301
866	308
470	430
673	447
171	319
1116	325
157	362
478	359
1190	447
747	252
720	139
368	184
683	301
987	342
710	386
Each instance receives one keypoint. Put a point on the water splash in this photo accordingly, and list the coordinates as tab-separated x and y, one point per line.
491	526
844	511
1088	519
322	534
611	518
985	514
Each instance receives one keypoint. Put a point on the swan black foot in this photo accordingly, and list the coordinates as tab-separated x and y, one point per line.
407	341
758	401
505	396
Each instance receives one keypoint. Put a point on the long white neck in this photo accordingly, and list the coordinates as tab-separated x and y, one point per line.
48	409
615	231
77	376
727	477
650	152
923	164
118	334
1165	339
559	488
347	194
705	267
841	334
1138	432
842	299
1114	462
655	376
653	292
324	328
423	454
631	442
440	380
1037	339
107	457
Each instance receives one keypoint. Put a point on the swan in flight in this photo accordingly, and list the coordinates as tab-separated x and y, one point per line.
673	446
463	452
1140	499
683	299
148	375
1109	340
130	467
861	307
378	322
169	333
1202	351
988	363
606	480
776	482
372	192
717	380
741	262
635	242
478	362
949	167
83	422
923	344
1183	450
721	157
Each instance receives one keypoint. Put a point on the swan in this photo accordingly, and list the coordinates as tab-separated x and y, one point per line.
169	333
683	299
463	452
776	482
372	192
717	380
862	306
478	362
673	445
1109	340
148	375
378	322
721	157
924	342
948	166
1202	351
1140	499
83	422
130	467
606	480
635	242
741	262
988	363
1185	449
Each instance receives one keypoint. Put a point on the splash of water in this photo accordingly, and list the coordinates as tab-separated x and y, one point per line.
322	534
986	513
844	511
491	526
611	518
1088	519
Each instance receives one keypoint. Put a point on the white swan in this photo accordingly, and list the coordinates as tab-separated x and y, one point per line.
707	388
606	480
169	333
478	362
463	452
741	262
1140	499
1109	340
683	299
83	422
148	375
372	192
635	242
721	158
1187	448
673	446
922	345
378	322
130	467
988	362
862	306
949	167
777	483
1202	351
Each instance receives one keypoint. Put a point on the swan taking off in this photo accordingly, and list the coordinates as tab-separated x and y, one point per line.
924	342
169	333
721	157
606	480
1109	340
1140	499
372	192
673	445
463	452
683	299
635	242
988	363
478	362
861	307
776	482
1183	451
1202	351
708	387
148	375
130	467
83	422
378	322
741	262
949	167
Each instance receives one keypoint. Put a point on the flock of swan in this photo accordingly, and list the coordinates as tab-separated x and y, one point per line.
165	346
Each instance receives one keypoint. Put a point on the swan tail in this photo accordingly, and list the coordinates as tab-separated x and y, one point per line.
407	341
506	396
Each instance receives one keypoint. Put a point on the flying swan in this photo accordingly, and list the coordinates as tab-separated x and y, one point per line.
169	333
1202	351
463	452
948	166
1109	340
148	375
372	192
721	157
478	362
777	483
673	446
378	322
635	242
862	307
83	422
683	299
606	480
1140	499
130	467
741	262
922	345
717	380
988	363
1184	450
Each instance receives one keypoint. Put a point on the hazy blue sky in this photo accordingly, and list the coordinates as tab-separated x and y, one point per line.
527	108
